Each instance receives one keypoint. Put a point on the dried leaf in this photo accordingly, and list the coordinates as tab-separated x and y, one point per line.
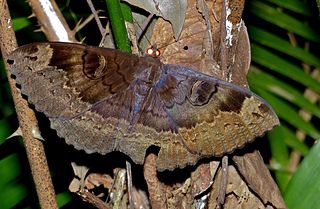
140	198
79	170
75	185
77	182
118	191
97	179
258	178
172	11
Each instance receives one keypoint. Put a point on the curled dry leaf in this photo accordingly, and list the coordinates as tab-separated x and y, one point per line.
201	178
172	11
75	185
187	51
80	173
258	178
193	47
96	179
238	194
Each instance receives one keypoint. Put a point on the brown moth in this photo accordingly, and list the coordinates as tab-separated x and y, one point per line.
103	100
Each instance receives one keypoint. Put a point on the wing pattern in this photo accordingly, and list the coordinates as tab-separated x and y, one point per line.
102	100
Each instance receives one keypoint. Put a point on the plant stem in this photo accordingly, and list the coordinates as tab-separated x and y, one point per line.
27	120
118	27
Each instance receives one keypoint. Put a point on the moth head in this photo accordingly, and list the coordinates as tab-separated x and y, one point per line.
153	51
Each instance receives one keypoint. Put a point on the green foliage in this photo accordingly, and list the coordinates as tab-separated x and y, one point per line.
284	40
306	179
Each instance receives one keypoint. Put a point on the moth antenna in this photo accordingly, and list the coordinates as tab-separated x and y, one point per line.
140	34
144	27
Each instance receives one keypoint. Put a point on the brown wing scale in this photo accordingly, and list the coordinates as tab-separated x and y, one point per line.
102	100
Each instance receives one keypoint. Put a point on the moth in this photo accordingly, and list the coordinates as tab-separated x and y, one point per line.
103	100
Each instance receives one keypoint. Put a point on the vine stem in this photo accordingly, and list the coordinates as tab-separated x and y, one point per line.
27	120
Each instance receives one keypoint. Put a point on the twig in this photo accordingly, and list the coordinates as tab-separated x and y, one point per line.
156	188
51	21
223	34
118	188
96	17
94	200
27	119
81	23
223	182
129	183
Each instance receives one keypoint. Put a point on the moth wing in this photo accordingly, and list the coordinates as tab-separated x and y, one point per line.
209	116
66	79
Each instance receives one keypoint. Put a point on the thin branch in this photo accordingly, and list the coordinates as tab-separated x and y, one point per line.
223	182
94	200
51	21
129	184
223	34
81	23
156	188
96	17
27	120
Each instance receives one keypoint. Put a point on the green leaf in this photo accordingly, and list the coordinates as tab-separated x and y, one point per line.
126	11
12	194
283	20
20	23
268	59
280	156
5	129
9	170
293	142
262	80
304	188
275	42
293	5
11	191
63	198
